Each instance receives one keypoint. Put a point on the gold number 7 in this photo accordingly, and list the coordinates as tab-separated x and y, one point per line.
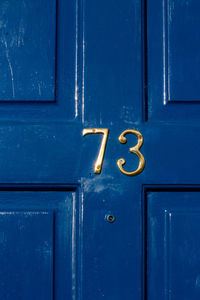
105	132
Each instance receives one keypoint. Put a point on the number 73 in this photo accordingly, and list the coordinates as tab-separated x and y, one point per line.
122	139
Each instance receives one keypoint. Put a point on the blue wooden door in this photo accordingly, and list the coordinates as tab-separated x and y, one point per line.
113	215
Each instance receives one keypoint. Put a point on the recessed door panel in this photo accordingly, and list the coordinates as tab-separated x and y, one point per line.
172	60
27	50
26	254
182	22
173	243
36	236
38	60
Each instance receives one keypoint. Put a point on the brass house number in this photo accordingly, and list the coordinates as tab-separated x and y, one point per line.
122	139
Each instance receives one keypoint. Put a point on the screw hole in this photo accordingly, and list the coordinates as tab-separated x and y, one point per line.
110	218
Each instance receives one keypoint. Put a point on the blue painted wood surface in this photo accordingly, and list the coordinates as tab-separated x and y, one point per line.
172	43
111	64
37	243
27	48
173	244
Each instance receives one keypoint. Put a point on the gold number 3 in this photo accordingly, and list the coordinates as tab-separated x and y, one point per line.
135	150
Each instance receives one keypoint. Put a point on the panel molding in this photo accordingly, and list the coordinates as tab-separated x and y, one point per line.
54	204
167	227
167	11
64	106
28	52
158	104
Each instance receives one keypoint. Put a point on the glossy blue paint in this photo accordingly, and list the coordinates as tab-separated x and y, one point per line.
182	58
173	58
37	243
27	50
38	61
26	256
108	62
173	242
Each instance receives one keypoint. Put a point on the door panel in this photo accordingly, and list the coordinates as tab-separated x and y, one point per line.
27	50
172	45
173	242
38	61
26	245
182	57
37	237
